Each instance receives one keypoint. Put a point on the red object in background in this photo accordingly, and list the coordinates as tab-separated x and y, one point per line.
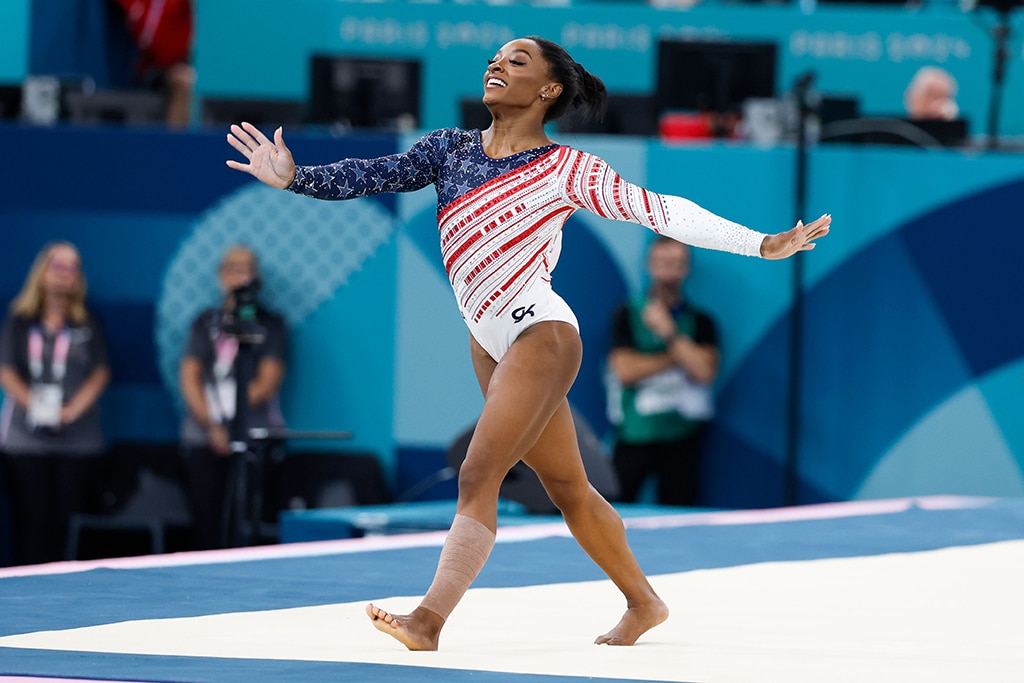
162	29
679	126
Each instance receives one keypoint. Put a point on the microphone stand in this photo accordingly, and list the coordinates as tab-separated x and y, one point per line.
804	95
1001	54
245	489
243	510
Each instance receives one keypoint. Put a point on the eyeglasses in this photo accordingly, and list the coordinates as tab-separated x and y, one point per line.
64	267
237	268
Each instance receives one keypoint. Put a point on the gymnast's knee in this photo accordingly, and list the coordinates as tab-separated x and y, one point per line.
568	494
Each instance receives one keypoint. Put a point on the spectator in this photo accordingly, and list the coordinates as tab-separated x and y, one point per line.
209	369
53	370
163	30
931	95
663	360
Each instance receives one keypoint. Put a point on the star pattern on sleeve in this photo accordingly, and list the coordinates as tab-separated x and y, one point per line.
351	178
450	158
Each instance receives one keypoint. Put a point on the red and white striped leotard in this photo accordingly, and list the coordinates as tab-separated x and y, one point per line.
500	230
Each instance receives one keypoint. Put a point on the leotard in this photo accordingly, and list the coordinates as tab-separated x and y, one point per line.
500	220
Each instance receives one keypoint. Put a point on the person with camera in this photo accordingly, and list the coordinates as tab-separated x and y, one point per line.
53	370
238	339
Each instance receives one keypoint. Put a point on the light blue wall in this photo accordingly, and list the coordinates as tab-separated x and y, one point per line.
14	34
868	51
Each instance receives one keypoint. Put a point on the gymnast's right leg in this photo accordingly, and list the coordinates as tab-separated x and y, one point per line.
521	393
465	551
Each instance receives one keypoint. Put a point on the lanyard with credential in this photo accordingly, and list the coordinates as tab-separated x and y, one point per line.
59	362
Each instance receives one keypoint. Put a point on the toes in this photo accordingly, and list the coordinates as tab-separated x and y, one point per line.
375	612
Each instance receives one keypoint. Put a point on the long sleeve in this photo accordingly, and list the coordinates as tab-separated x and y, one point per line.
351	178
592	184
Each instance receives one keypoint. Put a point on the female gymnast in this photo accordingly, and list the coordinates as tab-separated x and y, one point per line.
503	196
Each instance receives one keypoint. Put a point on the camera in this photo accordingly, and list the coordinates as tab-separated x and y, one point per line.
239	319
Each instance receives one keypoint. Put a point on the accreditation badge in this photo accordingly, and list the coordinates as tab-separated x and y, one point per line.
221	396
672	391
45	401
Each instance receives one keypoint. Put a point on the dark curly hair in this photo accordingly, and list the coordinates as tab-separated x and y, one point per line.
583	93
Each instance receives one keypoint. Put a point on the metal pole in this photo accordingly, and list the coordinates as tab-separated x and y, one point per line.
1001	35
802	90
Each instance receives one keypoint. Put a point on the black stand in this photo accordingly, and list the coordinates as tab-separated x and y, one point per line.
244	508
1001	54
264	443
251	449
805	97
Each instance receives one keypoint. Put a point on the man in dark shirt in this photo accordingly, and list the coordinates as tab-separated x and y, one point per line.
663	360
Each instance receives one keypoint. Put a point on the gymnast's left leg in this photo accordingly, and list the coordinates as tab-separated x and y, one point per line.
595	525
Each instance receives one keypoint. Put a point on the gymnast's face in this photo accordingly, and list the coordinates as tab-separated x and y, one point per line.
519	75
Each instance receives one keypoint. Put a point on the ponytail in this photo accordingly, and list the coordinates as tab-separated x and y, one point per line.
583	93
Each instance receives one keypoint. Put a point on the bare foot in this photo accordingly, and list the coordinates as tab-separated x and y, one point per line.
637	620
417	631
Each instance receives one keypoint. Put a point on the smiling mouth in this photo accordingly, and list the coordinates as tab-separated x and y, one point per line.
495	83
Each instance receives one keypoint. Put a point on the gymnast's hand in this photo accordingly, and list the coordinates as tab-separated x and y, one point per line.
270	162
801	238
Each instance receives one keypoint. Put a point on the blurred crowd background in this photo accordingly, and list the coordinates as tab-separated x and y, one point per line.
889	362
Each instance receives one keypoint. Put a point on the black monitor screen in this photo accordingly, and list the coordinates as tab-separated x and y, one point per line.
267	114
898	131
713	75
361	92
626	114
10	101
474	114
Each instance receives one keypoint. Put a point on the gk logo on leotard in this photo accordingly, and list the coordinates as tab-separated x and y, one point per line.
522	312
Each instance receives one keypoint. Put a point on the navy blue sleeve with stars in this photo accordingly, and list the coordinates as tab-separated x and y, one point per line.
351	178
450	158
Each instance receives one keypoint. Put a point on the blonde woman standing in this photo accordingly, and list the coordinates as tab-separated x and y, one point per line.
53	370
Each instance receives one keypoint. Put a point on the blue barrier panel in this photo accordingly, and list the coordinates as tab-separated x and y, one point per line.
913	346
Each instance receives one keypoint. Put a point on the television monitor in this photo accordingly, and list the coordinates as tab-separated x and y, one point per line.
473	113
899	131
364	92
869	2
713	75
267	114
953	133
834	107
626	114
10	101
115	107
1001	5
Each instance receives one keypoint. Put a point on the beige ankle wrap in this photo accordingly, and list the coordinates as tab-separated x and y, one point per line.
465	551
